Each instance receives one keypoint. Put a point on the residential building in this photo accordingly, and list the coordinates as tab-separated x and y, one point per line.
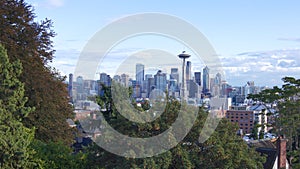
247	117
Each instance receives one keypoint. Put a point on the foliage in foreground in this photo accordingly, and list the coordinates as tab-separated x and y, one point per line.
30	43
15	138
224	149
287	117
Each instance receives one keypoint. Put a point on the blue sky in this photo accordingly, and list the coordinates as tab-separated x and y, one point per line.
255	40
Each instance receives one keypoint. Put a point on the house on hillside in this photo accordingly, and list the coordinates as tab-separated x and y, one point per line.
275	152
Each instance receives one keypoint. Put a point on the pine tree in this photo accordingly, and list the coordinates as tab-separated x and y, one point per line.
30	42
224	149
15	138
287	117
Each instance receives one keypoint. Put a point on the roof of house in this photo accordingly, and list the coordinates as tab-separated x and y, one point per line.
265	143
268	148
271	156
258	107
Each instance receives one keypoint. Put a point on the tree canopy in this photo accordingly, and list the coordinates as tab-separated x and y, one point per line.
30	42
286	101
224	149
15	138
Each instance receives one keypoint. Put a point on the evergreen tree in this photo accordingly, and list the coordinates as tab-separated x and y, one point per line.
58	156
287	117
15	138
224	149
30	42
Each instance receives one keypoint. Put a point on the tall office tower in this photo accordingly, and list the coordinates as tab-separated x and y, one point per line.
194	89
215	86
147	76
70	87
150	85
188	70
117	78
125	80
108	83
145	86
218	79
172	85
174	70
79	82
160	81
249	88
198	78
205	80
139	73
174	74
79	88
103	78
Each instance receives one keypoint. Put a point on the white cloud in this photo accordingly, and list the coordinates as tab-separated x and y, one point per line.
263	67
55	3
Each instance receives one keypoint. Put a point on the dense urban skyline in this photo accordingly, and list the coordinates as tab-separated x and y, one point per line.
254	39
149	90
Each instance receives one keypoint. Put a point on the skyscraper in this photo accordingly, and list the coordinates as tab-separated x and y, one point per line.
198	78
117	78
150	85
160	81
146	83
124	80
70	87
205	80
188	70
103	78
174	70
218	79
139	73
174	74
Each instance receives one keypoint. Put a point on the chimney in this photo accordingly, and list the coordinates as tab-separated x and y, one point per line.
281	149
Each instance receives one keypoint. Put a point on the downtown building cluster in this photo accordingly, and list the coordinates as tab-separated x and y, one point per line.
199	85
202	89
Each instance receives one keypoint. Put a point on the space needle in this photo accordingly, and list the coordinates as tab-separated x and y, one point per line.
183	56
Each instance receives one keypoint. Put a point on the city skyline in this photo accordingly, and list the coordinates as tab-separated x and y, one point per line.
197	75
253	39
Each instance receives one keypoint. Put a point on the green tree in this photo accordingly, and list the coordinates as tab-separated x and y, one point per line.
224	149
287	117
58	156
30	42
15	138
